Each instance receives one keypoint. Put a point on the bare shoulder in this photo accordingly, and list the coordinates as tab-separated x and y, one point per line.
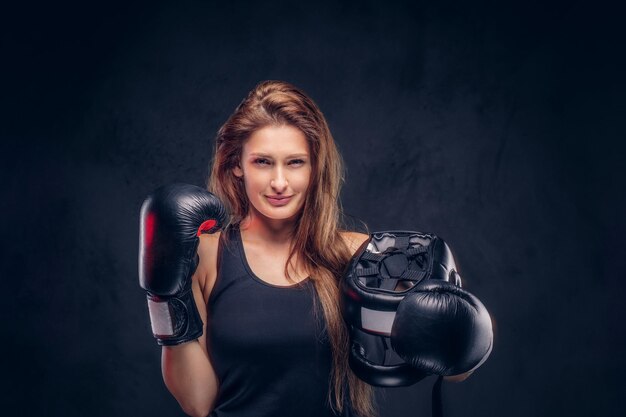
206	272
354	240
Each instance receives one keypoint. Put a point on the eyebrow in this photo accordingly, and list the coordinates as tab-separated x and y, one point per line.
294	155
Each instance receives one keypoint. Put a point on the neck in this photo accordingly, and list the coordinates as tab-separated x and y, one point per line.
272	231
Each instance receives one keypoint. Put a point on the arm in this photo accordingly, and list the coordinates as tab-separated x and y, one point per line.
354	241
177	262
187	370
458	378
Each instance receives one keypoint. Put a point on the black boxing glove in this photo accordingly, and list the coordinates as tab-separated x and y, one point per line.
172	219
442	329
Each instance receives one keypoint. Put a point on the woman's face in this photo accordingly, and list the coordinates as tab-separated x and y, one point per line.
276	168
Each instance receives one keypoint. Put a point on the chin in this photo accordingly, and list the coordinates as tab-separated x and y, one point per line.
281	213
279	216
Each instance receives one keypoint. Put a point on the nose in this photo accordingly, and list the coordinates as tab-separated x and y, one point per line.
279	182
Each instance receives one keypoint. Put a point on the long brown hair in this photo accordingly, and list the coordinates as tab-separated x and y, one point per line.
317	241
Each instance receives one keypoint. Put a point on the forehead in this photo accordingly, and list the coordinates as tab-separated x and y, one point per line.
277	141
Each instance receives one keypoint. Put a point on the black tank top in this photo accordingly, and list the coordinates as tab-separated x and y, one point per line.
269	351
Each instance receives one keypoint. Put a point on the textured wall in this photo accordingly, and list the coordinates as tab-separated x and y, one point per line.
499	127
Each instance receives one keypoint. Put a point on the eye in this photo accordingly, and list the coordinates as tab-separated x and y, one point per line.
261	161
297	162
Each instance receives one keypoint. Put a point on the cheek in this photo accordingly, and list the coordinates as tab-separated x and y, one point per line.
300	182
250	186
254	183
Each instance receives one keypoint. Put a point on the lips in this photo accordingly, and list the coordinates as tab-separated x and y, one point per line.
278	200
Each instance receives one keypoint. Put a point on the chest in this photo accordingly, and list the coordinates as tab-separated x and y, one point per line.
269	264
251	321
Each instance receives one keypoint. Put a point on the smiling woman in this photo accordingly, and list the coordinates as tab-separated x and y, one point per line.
272	341
251	323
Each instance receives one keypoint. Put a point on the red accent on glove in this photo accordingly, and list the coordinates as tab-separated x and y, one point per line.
149	231
206	227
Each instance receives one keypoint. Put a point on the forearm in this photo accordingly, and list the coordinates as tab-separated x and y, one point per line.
189	376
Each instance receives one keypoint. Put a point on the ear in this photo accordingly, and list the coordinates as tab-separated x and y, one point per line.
237	171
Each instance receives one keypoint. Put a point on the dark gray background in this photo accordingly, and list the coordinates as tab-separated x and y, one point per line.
497	125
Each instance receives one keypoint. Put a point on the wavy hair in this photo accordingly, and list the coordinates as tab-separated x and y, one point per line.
317	240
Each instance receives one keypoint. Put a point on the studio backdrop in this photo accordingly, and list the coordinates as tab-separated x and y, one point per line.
496	125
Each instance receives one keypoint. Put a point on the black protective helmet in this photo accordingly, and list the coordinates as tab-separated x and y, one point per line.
382	272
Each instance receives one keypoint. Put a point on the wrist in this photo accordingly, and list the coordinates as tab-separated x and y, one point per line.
174	320
458	378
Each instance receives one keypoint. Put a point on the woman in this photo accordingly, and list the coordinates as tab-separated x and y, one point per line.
274	342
